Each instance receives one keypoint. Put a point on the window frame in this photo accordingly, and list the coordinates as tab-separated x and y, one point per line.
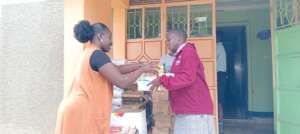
163	15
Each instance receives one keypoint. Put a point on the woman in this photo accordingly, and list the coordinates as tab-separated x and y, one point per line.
87	106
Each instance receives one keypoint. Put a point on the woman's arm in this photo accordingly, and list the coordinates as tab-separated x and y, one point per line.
101	63
113	74
128	68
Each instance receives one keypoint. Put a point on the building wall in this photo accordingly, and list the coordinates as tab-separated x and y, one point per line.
98	11
31	64
74	11
260	97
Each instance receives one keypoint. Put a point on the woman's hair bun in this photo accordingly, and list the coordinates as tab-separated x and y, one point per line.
84	31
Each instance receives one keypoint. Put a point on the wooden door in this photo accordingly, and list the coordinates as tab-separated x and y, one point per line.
148	23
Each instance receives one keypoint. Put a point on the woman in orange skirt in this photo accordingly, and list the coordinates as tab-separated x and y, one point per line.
87	106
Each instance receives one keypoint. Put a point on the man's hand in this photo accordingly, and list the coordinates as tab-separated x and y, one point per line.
154	84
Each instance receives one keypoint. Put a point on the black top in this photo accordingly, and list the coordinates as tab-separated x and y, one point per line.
98	59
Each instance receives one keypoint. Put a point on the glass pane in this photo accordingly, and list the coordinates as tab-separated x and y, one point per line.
177	18
201	20
134	23
135	2
152	22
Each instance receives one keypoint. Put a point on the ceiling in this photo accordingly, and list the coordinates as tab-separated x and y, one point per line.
224	5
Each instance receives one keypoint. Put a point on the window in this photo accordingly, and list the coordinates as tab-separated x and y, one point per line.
175	0
288	13
200	20
134	24
152	23
135	2
146	23
177	18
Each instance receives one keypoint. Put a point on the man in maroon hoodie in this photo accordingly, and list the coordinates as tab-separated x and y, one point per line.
189	94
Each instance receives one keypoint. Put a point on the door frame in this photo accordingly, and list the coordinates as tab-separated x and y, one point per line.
245	105
249	58
272	11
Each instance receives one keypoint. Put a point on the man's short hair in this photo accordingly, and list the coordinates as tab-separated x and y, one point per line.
180	33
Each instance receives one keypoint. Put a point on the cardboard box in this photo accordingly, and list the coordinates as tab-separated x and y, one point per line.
158	130
162	120
160	96
162	107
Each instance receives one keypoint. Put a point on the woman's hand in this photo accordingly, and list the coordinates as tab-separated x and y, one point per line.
150	68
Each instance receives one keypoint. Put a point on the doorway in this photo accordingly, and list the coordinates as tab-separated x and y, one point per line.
236	87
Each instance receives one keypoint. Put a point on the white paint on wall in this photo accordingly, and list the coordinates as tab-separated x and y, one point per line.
0	10
8	2
31	57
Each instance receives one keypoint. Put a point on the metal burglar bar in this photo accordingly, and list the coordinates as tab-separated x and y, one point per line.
134	23
152	23
136	2
288	13
177	18
200	21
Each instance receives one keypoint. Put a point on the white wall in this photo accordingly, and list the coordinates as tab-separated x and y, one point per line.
31	66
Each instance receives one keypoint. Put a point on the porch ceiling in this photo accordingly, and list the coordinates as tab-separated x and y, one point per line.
237	5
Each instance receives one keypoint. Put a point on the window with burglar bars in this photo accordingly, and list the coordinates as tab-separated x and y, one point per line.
201	20
152	23
134	23
137	2
288	13
146	23
177	18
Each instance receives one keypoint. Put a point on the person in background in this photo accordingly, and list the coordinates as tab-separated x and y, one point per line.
189	94
166	61
87	106
221	72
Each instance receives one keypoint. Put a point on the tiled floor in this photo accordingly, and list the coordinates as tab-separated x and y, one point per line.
249	126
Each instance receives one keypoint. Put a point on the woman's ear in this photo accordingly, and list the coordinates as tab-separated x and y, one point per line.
100	37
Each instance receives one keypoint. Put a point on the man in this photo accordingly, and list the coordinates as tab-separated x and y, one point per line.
189	94
221	70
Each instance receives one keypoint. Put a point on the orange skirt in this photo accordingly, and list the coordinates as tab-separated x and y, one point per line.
75	116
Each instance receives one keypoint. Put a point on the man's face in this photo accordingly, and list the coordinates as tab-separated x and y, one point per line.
173	42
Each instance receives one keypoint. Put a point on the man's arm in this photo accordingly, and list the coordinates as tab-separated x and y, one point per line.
186	76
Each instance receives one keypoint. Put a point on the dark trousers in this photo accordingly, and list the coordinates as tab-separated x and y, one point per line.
222	78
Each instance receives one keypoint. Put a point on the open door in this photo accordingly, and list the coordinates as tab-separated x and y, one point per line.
148	22
286	54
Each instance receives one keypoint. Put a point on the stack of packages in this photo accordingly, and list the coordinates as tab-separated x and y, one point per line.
117	92
163	119
121	130
117	98
162	115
